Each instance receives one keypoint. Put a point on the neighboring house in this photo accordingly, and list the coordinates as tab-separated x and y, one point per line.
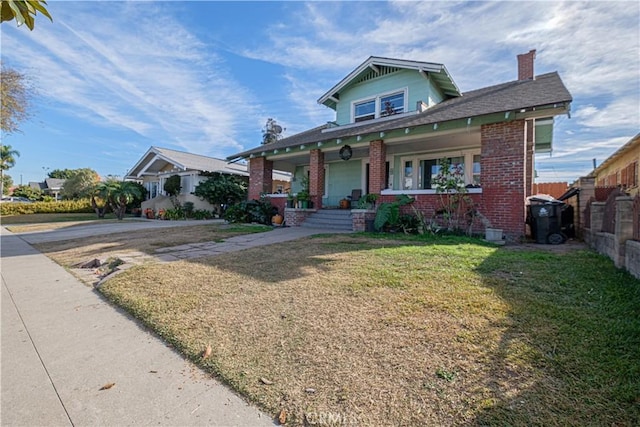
396	118
621	168
50	187
158	164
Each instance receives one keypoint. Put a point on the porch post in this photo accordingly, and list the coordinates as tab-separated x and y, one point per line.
316	177
377	166
529	160
260	177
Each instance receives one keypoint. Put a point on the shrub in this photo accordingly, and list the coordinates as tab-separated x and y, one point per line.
64	206
203	214
259	211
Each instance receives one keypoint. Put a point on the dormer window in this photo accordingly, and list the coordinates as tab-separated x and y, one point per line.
383	105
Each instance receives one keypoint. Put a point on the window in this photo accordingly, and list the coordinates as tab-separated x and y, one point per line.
392	104
380	106
419	171
365	111
430	168
476	170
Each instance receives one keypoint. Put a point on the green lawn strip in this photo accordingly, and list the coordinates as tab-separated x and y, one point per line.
406	331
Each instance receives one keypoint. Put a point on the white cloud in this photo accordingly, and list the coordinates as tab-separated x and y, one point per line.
144	73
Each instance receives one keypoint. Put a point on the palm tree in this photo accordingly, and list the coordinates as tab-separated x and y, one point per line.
7	161
115	195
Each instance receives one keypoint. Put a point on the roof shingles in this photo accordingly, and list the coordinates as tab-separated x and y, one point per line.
546	89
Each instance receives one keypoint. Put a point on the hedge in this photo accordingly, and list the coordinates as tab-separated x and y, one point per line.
64	206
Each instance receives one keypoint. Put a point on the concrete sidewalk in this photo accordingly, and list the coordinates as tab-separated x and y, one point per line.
61	342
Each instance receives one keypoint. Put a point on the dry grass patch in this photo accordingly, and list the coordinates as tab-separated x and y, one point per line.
346	329
70	252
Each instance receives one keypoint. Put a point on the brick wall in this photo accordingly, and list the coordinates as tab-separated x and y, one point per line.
377	166
503	176
260	177
316	177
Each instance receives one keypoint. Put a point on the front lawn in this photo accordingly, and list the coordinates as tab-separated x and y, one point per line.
378	331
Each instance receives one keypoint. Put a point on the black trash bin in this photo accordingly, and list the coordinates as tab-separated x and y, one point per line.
545	220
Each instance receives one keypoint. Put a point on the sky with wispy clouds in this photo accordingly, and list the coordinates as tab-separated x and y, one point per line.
114	78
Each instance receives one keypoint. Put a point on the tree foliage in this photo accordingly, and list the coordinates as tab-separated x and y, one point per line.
15	95
23	11
62	173
115	195
7	183
80	185
7	161
34	194
222	189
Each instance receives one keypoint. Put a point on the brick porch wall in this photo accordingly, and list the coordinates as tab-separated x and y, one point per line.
260	177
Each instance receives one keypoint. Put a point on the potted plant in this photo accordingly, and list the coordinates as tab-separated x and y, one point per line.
303	199
291	200
149	213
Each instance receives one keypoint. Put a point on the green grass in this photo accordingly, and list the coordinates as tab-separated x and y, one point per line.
406	331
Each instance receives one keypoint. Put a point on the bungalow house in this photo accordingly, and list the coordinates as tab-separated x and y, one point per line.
158	164
394	120
50	187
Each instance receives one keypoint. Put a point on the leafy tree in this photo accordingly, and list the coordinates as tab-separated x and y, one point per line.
7	161
80	185
23	11
172	187
123	194
16	93
115	195
29	192
222	190
7	183
62	173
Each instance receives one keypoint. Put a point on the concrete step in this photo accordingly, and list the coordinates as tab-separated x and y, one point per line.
330	219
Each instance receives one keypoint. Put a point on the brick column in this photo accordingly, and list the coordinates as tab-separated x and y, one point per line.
503	151
377	169
260	177
316	177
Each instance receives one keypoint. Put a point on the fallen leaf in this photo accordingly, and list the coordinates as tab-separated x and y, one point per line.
265	381
207	352
107	386
282	417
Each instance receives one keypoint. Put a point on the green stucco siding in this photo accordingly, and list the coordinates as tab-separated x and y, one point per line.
419	89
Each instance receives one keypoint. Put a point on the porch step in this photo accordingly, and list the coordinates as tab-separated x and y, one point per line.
330	219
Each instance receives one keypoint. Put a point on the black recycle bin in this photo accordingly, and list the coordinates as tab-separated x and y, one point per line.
545	220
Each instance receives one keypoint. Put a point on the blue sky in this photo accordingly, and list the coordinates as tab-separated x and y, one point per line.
114	78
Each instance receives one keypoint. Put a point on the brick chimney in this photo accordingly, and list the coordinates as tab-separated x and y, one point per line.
525	65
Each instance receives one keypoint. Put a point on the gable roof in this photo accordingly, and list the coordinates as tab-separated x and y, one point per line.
545	91
376	64
157	158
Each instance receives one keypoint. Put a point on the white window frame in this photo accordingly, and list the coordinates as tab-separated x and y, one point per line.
378	100
415	176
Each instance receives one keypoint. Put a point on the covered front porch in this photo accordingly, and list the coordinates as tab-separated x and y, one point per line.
497	160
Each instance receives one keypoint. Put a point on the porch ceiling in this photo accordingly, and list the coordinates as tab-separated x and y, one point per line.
416	144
